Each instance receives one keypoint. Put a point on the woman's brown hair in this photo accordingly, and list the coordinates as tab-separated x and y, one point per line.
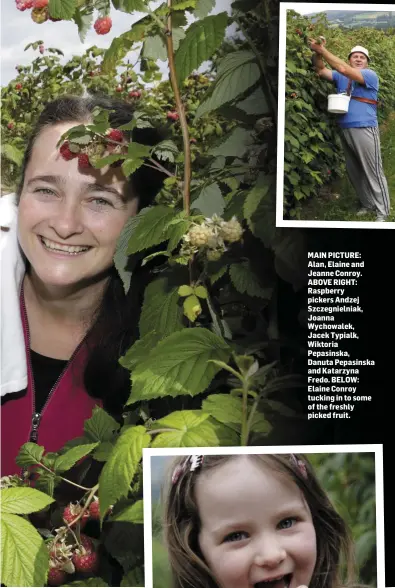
182	523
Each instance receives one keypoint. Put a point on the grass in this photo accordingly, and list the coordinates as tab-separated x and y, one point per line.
342	203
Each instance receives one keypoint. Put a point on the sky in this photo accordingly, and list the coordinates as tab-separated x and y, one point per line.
18	29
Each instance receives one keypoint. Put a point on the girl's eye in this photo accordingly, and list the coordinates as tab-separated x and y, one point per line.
287	523
236	536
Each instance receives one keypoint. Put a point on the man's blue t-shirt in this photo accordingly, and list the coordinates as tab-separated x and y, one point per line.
360	114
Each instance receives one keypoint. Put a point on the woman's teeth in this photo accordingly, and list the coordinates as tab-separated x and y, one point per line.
70	249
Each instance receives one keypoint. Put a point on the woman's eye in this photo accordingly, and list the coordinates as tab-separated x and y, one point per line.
46	191
101	202
287	523
236	536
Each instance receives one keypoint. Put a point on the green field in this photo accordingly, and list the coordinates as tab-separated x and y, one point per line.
342	203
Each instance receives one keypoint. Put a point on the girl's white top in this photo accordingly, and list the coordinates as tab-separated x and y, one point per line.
13	366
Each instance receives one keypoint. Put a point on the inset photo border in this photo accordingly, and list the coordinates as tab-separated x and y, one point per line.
338	192
325	463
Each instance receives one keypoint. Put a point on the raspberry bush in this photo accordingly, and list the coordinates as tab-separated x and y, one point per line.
211	340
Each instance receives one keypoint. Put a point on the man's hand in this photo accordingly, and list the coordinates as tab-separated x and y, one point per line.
316	46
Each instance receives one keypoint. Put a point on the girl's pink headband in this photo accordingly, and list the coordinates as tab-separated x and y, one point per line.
194	462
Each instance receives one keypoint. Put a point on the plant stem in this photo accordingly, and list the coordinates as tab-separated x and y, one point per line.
244	422
64	479
181	112
86	505
251	415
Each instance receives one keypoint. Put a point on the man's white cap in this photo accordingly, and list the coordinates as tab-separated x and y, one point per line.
359	49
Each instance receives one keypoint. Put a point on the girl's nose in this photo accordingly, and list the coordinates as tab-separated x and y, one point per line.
270	553
67	219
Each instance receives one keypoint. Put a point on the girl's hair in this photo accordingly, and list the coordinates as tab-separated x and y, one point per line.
115	324
182	522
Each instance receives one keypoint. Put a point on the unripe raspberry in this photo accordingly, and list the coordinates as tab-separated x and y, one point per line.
199	235
231	231
213	254
40	15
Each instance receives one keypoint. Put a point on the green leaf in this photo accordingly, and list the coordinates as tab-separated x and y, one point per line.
25	558
131	514
255	195
246	282
203	8
185	290
103	451
155	48
12	153
210	200
133	578
130	165
103	161
191	429
218	272
184	4
201	292
139	350
90	582
166	150
262	222
150	230
67	460
259	424
29	454
83	22
46	482
63	9
235	144
101	426
224	407
201	40
179	364
129	5
255	103
161	312
122	44
192	308
23	500
118	472
237	72
121	254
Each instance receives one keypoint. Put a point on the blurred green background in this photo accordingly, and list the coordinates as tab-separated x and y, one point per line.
349	479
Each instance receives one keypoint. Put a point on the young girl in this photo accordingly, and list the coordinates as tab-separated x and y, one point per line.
252	521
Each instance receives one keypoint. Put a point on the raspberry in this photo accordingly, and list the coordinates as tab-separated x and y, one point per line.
103	25
94	510
29	3
18	86
21	6
10	125
71	511
232	230
115	135
40	15
56	577
83	161
213	254
172	115
87	563
199	235
65	151
86	542
118	89
40	3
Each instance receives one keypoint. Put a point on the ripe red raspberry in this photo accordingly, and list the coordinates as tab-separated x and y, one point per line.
103	25
172	115
87	563
10	125
118	89
94	510
65	151
56	577
115	135
71	511
40	3
83	161
86	542
18	86
29	3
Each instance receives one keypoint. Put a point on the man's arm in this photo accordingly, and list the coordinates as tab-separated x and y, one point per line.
320	68
337	63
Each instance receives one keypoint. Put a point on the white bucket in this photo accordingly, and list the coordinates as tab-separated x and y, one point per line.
338	103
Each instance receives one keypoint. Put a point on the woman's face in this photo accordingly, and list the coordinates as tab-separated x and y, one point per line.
69	219
256	528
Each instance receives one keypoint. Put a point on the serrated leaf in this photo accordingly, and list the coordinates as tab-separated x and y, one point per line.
259	424
29	454
63	9
67	460
150	229
201	292
246	282
132	514
179	364
192	308
234	145
224	407
101	426
46	482
166	150
203	8
155	48
217	275
210	201
103	161
121	254
122	44
255	103
139	350
201	40
184	4
23	500
129	5
185	290
193	428
103	451
236	73
161	312
175	232
133	578
130	165
118	472
255	195
84	22
25	558
12	153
